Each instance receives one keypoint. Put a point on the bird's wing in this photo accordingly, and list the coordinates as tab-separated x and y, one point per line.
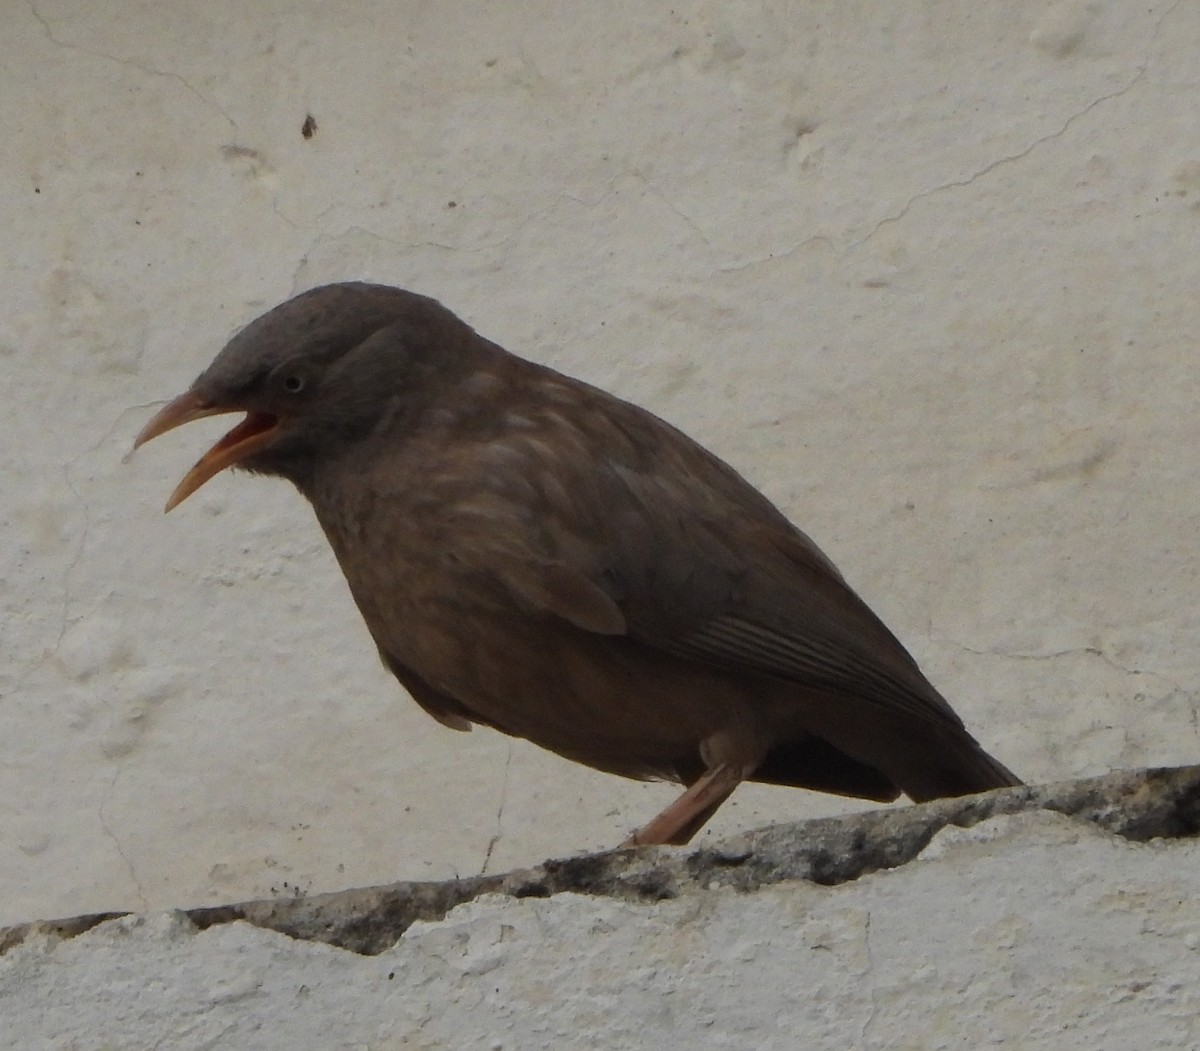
565	591
663	542
595	511
750	592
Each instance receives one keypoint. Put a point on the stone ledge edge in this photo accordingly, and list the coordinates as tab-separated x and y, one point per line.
1139	805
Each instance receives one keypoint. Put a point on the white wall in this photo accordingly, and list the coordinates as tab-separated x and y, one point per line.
925	272
1032	931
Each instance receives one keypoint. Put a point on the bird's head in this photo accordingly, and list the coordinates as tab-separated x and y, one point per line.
327	367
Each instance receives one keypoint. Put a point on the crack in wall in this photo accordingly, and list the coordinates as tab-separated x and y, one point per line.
1075	651
987	169
131	63
487	857
76	558
103	819
772	257
868	976
165	74
63	626
514	230
673	208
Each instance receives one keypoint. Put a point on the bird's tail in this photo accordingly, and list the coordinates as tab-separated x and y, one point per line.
960	768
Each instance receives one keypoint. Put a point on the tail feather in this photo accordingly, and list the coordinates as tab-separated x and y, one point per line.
956	768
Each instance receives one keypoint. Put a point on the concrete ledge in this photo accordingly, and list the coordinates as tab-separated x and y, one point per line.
1139	805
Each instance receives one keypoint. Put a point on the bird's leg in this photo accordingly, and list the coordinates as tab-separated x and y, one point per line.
686	816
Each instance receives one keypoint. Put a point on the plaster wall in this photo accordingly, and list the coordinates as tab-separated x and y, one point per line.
1032	931
925	272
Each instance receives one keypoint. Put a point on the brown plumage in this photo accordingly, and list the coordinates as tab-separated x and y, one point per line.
535	555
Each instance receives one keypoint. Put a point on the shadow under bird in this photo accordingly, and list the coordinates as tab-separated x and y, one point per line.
535	555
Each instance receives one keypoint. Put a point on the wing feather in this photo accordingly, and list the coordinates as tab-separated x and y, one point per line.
701	565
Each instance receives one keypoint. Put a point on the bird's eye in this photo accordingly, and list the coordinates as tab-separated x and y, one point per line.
293	383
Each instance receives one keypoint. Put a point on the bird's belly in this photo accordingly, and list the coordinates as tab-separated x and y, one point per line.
605	701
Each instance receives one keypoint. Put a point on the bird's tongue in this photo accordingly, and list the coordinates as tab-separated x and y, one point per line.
253	423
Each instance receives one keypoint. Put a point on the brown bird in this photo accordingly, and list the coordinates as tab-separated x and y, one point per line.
535	555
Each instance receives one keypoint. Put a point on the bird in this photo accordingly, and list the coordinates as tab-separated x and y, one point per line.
538	556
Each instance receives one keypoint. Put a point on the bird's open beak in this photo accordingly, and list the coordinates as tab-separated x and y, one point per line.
254	432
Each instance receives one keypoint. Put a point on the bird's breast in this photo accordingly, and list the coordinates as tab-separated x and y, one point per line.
606	701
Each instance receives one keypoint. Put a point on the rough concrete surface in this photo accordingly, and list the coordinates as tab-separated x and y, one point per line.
925	271
1025	918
